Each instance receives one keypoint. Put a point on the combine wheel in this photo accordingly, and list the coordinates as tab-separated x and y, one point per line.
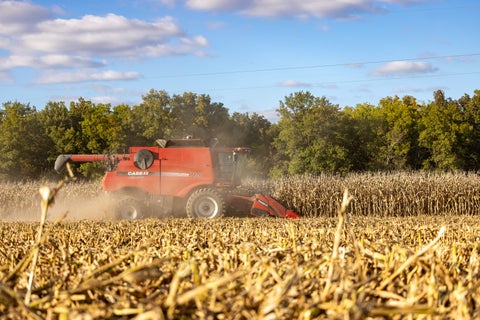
205	203
130	209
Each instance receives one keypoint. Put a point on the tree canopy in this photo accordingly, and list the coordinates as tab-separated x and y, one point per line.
311	136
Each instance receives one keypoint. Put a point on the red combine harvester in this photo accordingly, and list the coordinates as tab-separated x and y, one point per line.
179	176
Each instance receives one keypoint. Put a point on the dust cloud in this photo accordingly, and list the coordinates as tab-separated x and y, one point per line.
99	207
21	201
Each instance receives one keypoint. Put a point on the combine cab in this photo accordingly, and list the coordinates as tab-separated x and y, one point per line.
179	176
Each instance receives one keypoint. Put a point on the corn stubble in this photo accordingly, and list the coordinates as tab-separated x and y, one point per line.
341	265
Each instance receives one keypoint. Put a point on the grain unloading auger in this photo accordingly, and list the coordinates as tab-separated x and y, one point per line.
179	176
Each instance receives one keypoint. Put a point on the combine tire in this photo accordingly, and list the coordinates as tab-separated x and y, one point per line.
205	203
130	209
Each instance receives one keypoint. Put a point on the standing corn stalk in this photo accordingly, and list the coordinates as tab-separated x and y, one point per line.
342	218
47	199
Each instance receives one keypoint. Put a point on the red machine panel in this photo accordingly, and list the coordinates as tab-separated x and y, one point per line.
173	171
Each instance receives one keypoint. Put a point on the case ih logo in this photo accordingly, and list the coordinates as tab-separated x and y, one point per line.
137	173
156	173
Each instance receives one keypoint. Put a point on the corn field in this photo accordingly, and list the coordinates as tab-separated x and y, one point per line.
375	194
354	258
379	194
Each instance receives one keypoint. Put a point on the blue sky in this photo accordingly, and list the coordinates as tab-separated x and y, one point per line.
246	54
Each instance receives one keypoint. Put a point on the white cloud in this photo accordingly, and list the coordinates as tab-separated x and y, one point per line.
95	99
293	83
46	61
19	16
105	100
111	35
184	46
31	38
404	2
59	60
83	75
270	114
217	5
304	9
403	68
339	9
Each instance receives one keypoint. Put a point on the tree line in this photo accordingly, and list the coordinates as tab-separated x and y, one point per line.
311	136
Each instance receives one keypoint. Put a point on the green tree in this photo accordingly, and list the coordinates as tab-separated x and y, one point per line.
56	121
122	116
153	118
469	144
311	136
100	130
401	131
23	144
442	131
365	127
78	110
197	116
91	129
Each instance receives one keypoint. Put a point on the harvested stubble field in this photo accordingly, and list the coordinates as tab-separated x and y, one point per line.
365	265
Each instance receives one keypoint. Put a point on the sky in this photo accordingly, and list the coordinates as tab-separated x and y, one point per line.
248	55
